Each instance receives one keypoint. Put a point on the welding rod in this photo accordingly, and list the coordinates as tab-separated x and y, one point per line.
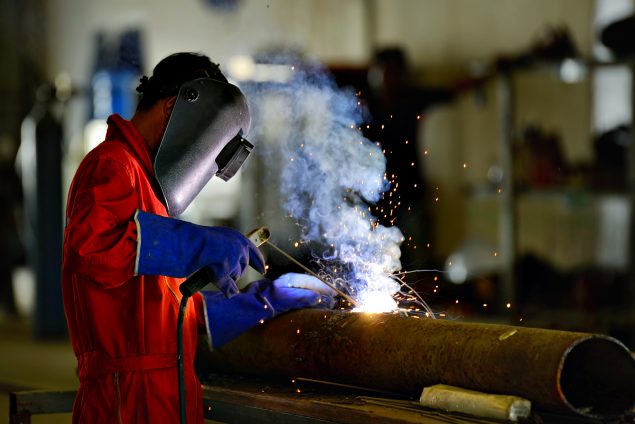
298	263
260	236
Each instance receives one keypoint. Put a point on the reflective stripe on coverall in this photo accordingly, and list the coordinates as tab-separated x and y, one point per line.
122	327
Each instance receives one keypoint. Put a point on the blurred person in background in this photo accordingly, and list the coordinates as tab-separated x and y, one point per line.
11	249
125	254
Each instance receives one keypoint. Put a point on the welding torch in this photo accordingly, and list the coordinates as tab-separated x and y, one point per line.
258	236
204	276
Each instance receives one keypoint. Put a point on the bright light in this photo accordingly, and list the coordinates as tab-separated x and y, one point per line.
376	301
94	133
243	68
572	71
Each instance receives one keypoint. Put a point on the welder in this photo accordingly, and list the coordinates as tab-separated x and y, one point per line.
126	253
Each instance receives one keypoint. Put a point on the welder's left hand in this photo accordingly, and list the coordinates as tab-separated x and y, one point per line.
260	301
304	281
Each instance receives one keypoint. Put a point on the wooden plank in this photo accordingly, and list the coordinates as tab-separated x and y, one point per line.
42	402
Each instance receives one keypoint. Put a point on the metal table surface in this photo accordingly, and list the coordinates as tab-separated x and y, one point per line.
236	399
245	400
241	400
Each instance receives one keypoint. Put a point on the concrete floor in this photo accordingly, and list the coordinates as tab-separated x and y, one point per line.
26	364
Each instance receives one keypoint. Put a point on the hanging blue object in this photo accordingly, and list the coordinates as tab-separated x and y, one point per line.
115	76
226	5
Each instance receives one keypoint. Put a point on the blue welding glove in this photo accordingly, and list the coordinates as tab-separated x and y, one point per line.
174	248
260	301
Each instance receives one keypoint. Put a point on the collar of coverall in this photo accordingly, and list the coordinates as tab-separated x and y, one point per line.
125	131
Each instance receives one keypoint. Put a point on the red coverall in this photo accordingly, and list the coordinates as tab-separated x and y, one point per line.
122	326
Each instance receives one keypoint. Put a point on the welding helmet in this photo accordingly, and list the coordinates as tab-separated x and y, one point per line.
203	138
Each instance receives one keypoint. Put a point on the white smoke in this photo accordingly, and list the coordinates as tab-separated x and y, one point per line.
330	177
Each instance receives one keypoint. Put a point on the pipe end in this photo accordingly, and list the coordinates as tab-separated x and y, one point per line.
597	377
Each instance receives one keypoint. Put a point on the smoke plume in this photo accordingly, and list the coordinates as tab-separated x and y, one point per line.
330	177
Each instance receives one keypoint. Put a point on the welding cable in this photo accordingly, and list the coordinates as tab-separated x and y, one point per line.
179	358
188	288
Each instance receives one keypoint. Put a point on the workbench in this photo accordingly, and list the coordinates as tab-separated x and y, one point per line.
240	400
244	400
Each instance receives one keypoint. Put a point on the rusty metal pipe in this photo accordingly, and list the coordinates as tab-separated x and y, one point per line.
592	375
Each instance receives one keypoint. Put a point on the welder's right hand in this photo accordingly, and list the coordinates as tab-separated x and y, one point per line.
175	248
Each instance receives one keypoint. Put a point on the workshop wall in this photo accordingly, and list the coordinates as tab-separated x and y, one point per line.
440	37
441	34
329	29
445	41
449	34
